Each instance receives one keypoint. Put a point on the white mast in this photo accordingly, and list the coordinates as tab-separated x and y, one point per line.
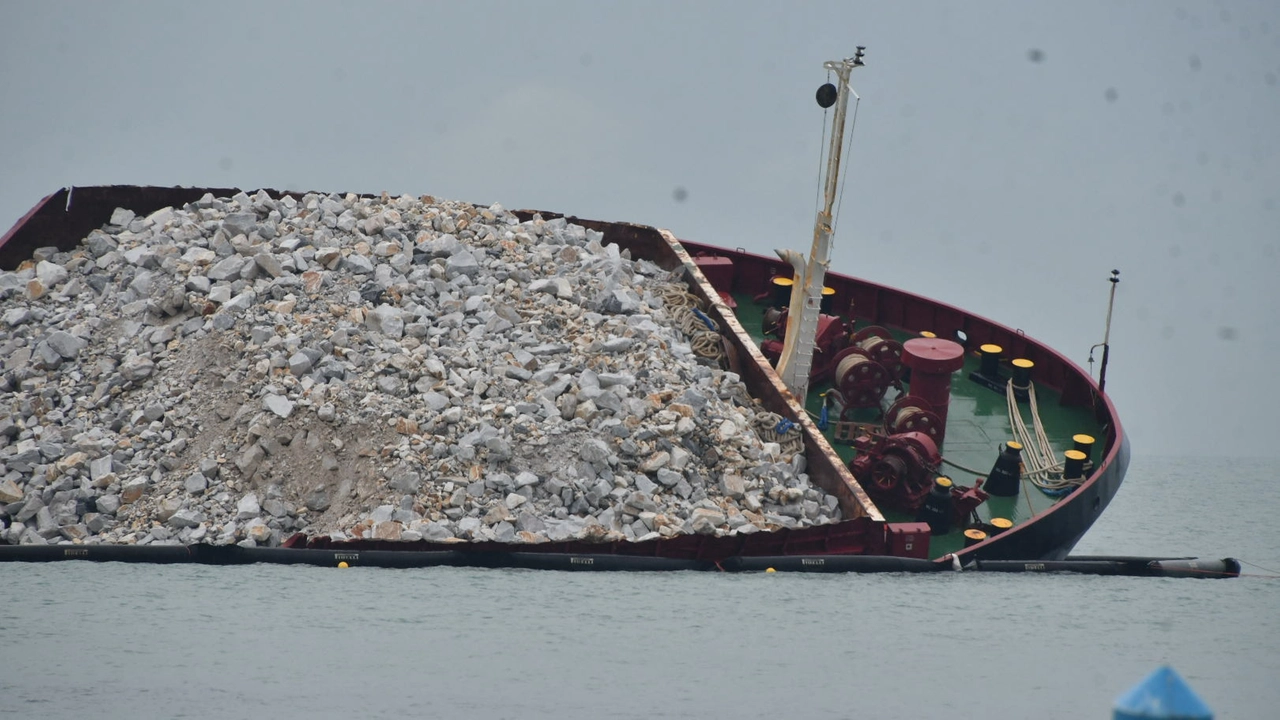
806	294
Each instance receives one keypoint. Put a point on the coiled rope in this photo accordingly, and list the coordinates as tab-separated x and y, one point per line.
1042	467
691	319
772	427
676	297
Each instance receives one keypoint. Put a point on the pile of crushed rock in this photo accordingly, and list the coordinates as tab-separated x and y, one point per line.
240	369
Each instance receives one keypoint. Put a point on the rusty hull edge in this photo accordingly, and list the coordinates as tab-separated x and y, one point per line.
660	246
823	464
64	218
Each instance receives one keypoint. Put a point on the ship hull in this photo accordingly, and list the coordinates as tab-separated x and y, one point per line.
67	216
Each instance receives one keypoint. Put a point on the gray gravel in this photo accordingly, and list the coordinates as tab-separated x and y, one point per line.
240	369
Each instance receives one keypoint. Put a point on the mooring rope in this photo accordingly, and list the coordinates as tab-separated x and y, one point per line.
1277	572
689	317
675	297
767	426
1042	468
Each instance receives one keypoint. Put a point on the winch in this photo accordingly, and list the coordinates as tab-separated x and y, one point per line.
913	414
832	336
861	380
881	347
897	471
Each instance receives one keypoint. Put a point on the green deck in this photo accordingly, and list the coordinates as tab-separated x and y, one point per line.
977	426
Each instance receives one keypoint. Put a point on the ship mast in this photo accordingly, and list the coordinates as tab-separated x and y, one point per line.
806	297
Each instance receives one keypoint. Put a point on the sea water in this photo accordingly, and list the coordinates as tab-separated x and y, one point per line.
112	640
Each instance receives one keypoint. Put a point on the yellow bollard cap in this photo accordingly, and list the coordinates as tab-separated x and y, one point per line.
783	282
1023	363
1075	455
343	564
991	349
769	570
1002	523
1083	439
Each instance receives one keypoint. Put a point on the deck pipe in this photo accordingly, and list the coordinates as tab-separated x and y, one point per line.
828	300
999	525
1022	379
782	287
990	363
1083	443
1073	468
1005	478
936	508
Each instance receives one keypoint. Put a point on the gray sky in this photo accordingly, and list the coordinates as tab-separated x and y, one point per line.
1007	155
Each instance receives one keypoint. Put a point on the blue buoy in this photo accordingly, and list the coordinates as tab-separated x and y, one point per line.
1163	695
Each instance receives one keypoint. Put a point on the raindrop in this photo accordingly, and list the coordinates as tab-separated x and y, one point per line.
1166	332
1179	199
1035	55
1111	95
1226	332
680	194
1270	78
225	163
1194	62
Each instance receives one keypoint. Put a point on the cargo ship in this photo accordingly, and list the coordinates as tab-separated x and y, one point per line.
949	439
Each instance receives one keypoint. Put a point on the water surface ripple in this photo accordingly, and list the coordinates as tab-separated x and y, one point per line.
186	641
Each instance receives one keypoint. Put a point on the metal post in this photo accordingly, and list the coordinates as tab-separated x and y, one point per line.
1106	337
802	321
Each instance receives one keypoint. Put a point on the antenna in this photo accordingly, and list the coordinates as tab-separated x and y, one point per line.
1106	336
